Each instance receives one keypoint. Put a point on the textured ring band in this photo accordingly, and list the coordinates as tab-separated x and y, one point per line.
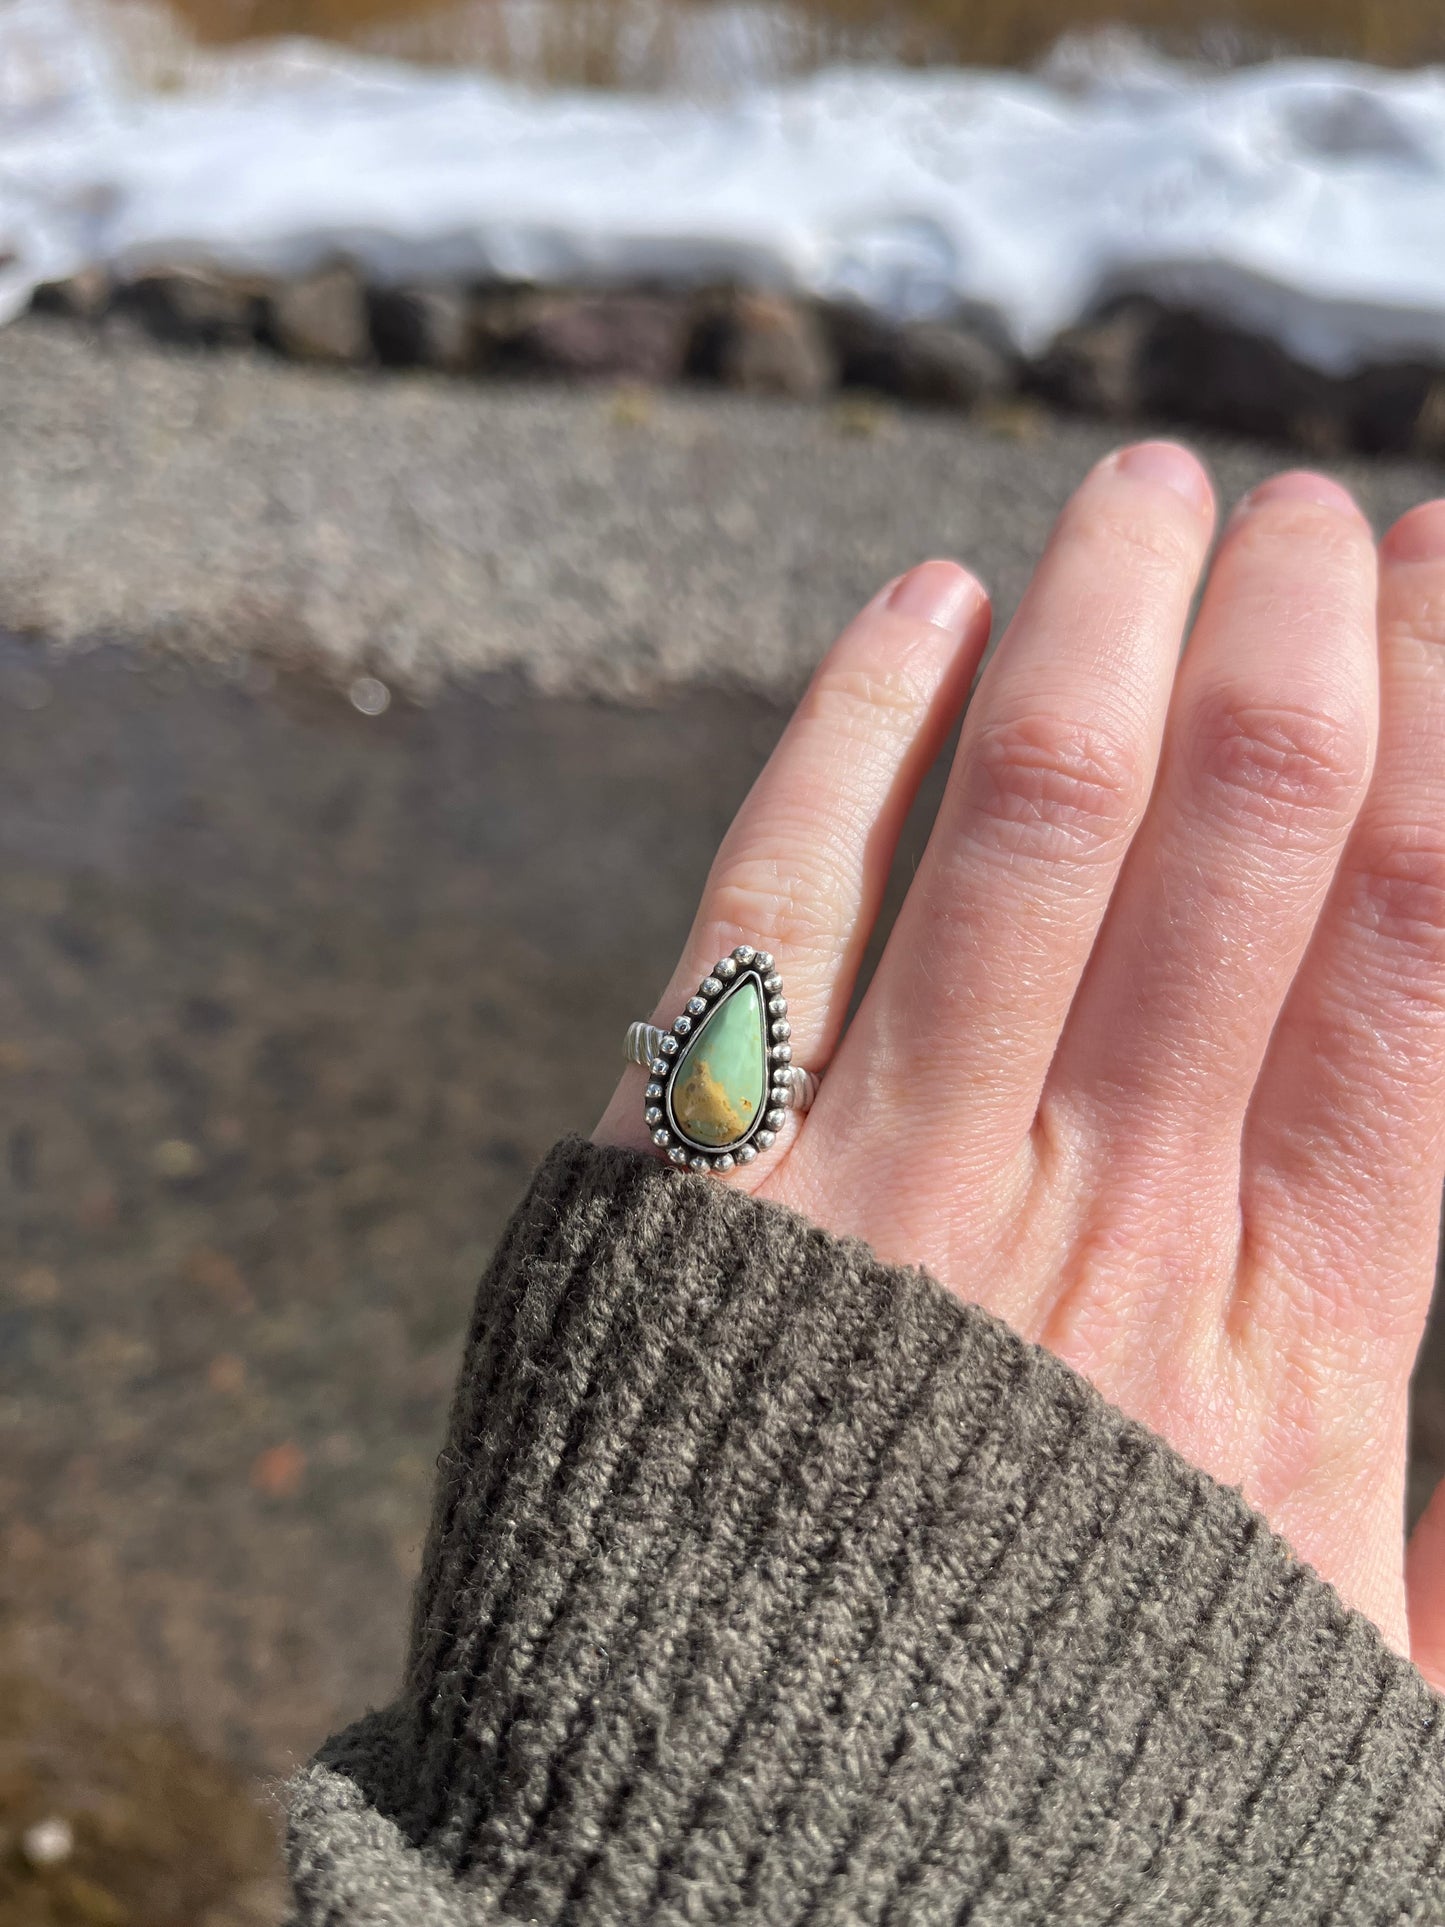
722	1079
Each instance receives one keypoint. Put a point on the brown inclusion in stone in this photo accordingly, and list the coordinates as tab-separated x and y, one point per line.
720	1079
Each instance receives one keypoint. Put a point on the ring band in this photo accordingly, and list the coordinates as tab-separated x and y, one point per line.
722	1079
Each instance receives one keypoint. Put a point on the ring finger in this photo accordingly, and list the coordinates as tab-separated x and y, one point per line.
802	870
1050	781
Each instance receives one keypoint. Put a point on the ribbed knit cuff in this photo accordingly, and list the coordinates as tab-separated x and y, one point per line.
769	1583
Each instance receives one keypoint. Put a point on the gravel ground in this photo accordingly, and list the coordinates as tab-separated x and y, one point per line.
612	542
291	997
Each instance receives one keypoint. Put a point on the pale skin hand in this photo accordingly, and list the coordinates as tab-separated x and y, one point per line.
1153	1066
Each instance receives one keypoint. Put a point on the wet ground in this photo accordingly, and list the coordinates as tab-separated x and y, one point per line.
290	1000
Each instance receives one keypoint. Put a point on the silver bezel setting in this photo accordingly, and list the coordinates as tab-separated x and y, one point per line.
724	980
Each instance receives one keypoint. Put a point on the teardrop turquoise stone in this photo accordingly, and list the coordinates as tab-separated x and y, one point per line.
717	1088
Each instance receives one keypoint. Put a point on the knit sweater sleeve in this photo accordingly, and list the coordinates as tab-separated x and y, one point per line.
768	1583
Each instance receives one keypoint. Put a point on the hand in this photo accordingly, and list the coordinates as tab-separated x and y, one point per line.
1153	1065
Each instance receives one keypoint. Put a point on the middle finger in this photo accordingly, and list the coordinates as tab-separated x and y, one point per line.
1051	778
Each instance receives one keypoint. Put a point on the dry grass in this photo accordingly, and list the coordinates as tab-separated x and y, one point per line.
585	33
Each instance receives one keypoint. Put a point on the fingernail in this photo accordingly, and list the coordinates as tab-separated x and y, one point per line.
1300	485
1171	465
937	592
1418	536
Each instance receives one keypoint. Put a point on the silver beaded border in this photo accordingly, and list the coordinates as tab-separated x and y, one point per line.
726	976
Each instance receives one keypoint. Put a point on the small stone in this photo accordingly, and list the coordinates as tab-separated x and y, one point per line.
176	1159
763	344
422	327
322	317
49	1842
720	1082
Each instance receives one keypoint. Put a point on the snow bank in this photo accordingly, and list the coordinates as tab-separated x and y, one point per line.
1304	200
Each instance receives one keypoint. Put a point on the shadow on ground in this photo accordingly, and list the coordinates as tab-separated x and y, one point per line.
290	1001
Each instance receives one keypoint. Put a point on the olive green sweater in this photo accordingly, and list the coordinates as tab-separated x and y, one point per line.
770	1583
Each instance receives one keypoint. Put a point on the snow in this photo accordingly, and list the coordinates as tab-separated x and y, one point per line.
1302	199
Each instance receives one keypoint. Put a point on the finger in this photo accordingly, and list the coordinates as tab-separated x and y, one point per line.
1049	782
1425	1591
1345	1139
802	869
1266	759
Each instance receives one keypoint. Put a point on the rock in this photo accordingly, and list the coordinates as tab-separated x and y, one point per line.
196	306
1389	408
422	327
322	317
636	337
762	344
1199	369
83	296
1428	437
1099	367
952	364
947	364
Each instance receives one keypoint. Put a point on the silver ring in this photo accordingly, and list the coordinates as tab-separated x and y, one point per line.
722	1080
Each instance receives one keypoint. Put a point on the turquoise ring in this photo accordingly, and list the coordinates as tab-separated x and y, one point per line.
722	1080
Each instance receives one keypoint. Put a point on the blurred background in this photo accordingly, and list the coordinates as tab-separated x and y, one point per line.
438	442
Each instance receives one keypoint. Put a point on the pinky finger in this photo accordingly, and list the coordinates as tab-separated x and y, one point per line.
1425	1591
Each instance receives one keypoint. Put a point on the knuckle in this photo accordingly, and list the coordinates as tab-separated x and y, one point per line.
1398	895
1336	543
1272	760
855	701
763	901
1158	545
1053	786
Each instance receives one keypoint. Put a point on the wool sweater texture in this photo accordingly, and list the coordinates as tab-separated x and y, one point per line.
769	1583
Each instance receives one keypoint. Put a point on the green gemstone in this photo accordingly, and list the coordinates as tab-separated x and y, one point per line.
720	1079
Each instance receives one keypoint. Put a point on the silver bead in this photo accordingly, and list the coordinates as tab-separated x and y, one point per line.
726	969
696	1006
782	1053
783	1086
653	1116
764	960
782	1030
773	984
700	1163
677	1155
654	1091
778	1007
764	1140
710	987
775	1120
659	1067
747	1154
744	953
723	1163
662	1137
669	1047
681	1026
